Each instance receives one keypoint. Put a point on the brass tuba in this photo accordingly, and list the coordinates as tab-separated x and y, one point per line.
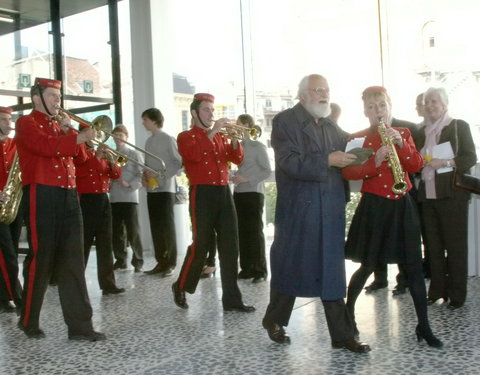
399	185
13	190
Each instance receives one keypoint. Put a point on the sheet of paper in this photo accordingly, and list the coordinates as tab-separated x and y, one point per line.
443	151
355	142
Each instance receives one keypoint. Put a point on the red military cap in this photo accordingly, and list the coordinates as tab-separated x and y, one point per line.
204	96
45	82
374	90
6	110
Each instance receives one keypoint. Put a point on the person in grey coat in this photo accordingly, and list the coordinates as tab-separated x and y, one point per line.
161	191
307	254
124	201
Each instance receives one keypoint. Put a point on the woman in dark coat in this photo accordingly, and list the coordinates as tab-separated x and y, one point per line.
386	228
445	209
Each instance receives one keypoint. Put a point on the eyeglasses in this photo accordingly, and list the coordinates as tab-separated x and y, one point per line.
320	90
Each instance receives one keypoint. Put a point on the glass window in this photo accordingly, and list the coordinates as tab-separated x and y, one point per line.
337	39
431	43
185	120
26	54
207	55
87	61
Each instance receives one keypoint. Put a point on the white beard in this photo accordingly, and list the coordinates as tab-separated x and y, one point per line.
318	110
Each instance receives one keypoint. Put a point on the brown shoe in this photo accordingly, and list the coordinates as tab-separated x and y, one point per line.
276	332
352	345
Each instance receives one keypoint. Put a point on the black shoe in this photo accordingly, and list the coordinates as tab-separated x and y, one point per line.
87	336
399	290
245	275
453	305
276	332
137	269
352	345
208	271
114	290
375	286
427	335
157	269
239	308
119	265
32	333
168	272
431	301
259	279
179	296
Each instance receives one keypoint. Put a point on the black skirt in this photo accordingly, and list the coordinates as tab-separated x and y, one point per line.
384	231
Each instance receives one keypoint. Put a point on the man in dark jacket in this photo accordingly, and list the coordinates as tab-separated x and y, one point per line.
307	255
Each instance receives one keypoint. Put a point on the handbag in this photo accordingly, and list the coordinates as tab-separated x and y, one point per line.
464	181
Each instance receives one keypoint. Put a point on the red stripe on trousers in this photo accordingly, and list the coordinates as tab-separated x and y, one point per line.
34	240
3	269
188	263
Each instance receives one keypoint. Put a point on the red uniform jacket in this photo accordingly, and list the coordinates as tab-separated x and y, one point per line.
380	180
46	152
93	175
7	150
205	160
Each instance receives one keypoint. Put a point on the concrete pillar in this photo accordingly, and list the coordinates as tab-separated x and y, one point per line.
152	76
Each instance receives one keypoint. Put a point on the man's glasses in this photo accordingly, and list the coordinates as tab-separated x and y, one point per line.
320	90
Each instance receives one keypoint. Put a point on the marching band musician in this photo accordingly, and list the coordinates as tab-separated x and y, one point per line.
93	185
52	214
206	153
386	226
10	287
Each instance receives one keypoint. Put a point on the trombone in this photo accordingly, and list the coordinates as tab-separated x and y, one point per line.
103	126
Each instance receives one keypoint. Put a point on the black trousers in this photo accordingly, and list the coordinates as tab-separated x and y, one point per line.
381	275
10	287
339	323
212	209
446	237
211	250
97	225
162	226
55	237
125	218
249	208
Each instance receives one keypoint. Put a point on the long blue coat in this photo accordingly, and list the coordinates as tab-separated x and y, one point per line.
307	254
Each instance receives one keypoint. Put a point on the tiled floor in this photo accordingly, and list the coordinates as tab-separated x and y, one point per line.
148	334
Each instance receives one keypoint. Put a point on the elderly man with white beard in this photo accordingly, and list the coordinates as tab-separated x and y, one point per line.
307	254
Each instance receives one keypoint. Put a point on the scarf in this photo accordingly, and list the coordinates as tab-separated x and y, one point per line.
432	136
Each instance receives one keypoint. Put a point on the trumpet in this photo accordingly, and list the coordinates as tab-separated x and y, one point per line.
237	131
103	126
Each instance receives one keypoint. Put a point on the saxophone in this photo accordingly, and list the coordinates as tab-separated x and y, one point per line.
13	190
399	185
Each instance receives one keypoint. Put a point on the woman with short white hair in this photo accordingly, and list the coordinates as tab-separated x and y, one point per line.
444	209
